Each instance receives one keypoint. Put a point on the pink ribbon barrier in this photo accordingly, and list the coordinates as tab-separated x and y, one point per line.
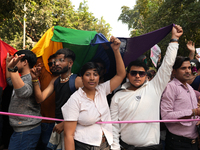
29	116
148	121
103	122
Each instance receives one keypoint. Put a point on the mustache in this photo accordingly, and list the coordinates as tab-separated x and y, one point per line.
187	74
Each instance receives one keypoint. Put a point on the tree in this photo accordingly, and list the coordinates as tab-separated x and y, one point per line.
136	17
153	14
9	7
43	14
185	13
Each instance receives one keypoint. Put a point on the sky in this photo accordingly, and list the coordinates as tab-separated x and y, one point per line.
110	10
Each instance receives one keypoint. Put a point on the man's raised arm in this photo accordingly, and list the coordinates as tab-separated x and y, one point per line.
40	96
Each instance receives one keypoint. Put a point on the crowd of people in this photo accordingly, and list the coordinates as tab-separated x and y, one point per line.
171	92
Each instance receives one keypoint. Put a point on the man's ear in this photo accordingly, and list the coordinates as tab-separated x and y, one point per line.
25	62
173	72
127	75
70	63
146	78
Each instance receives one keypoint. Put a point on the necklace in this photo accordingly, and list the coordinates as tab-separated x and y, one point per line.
65	79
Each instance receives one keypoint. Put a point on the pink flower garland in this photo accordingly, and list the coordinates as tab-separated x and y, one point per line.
194	69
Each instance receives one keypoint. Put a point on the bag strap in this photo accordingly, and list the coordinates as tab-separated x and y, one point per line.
72	83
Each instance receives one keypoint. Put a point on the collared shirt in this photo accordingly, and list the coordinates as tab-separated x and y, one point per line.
87	112
141	104
177	102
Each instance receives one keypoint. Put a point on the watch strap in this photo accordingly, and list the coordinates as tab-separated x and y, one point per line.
14	69
174	40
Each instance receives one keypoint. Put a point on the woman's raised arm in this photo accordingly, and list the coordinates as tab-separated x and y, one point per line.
121	71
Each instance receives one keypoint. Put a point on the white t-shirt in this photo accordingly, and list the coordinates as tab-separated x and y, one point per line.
142	104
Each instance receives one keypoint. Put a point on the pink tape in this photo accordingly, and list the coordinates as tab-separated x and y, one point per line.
103	122
148	121
29	116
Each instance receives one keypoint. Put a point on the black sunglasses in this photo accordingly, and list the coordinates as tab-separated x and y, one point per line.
134	73
51	63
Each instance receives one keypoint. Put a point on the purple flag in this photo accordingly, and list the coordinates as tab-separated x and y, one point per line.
132	48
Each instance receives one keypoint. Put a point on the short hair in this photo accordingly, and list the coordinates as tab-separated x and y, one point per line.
51	57
67	52
142	58
149	75
99	60
138	63
196	63
29	56
179	61
90	65
153	72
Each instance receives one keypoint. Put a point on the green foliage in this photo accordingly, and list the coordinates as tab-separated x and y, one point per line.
154	14
43	14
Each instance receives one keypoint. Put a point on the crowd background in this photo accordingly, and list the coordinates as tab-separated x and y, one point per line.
141	19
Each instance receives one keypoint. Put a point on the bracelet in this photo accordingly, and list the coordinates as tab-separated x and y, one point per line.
174	40
197	111
35	81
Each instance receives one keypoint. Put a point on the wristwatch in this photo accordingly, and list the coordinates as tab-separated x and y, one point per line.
14	69
174	40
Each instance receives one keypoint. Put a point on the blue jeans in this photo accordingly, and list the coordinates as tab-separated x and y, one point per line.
46	130
26	140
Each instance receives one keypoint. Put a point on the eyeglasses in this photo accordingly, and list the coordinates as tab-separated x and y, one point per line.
134	73
51	63
60	60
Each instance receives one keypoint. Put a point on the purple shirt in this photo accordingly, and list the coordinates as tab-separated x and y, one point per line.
178	101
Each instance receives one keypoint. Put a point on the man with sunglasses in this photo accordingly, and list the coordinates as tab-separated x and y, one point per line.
52	65
139	99
48	106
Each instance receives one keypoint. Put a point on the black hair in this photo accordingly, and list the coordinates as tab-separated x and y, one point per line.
29	56
149	75
142	58
67	52
138	63
90	65
179	61
51	57
196	63
99	60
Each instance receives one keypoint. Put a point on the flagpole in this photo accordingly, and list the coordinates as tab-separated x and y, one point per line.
24	29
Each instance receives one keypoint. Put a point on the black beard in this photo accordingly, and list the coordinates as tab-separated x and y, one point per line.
55	73
64	70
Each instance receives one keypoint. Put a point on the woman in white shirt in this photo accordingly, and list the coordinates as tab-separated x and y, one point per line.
88	105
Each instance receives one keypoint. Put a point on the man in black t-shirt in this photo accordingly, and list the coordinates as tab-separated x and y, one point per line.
64	59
